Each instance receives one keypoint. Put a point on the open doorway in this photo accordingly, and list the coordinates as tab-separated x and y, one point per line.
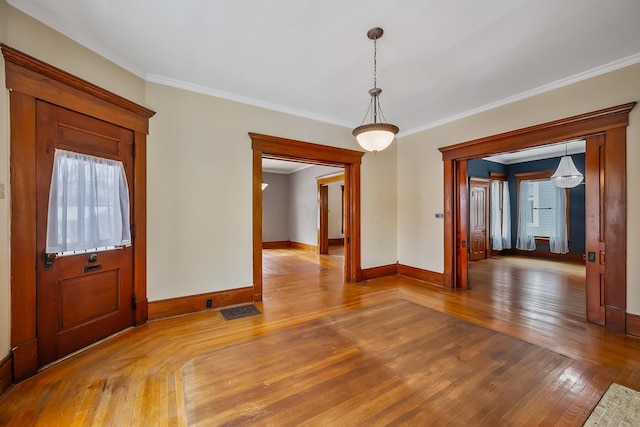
532	259
302	218
605	134
270	147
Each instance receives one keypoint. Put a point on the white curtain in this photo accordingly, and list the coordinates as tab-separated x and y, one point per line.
558	242
88	204
525	240
496	217
506	217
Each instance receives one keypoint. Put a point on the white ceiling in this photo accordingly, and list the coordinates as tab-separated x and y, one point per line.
538	153
282	167
437	61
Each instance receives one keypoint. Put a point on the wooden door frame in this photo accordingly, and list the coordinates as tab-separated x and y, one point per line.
30	79
273	147
323	208
610	122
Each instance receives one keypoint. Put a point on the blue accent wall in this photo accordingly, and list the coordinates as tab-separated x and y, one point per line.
482	168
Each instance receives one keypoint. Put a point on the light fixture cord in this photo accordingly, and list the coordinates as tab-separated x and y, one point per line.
375	62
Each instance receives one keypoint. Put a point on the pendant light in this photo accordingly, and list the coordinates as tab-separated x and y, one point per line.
377	135
567	175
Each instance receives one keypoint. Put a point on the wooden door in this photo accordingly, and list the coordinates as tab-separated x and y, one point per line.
462	218
80	300
478	218
594	226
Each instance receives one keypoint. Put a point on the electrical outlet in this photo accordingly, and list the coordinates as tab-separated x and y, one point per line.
2	191
209	303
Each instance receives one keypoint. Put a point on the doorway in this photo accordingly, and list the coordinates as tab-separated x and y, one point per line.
265	146
605	135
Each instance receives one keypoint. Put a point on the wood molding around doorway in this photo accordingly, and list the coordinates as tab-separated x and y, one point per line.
30	79
274	147
611	123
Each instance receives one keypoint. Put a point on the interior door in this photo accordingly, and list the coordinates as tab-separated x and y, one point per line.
81	298
478	218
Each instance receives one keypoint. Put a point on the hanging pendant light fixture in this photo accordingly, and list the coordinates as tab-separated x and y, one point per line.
377	135
567	175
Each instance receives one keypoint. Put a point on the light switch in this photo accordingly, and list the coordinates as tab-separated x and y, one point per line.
1	191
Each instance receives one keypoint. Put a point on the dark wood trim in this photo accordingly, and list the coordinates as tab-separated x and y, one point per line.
194	303
323	219
286	149
6	378
25	359
380	271
462	222
633	324
257	225
29	80
542	134
274	147
421	274
611	121
140	223
303	246
336	242
48	73
330	179
282	244
497	176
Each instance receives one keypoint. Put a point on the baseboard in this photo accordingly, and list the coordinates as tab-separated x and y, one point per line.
193	303
633	325
420	274
336	242
6	378
25	360
381	271
282	244
303	246
569	257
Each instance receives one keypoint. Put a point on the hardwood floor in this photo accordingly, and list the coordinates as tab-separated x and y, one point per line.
513	350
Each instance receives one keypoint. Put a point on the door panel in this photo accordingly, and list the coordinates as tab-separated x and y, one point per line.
80	299
478	218
462	217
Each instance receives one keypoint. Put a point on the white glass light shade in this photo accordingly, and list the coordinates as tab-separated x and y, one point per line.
264	185
375	137
566	176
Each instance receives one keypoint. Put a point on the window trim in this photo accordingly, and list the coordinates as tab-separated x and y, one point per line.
543	175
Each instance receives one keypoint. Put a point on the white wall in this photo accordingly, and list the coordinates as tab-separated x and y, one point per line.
420	177
335	210
275	207
5	225
303	203
199	191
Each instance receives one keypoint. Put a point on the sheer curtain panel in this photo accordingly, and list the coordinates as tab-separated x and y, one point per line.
525	239
496	216
88	204
506	217
558	240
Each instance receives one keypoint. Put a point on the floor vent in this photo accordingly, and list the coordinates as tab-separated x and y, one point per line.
238	312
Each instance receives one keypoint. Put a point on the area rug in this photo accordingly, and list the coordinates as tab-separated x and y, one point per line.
620	406
239	312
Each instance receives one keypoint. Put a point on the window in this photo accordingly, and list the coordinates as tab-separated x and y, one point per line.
88	204
543	213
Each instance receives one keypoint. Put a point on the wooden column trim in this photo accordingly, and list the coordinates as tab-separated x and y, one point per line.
257	224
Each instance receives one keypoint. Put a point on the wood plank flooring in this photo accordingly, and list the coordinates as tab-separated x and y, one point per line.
513	350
